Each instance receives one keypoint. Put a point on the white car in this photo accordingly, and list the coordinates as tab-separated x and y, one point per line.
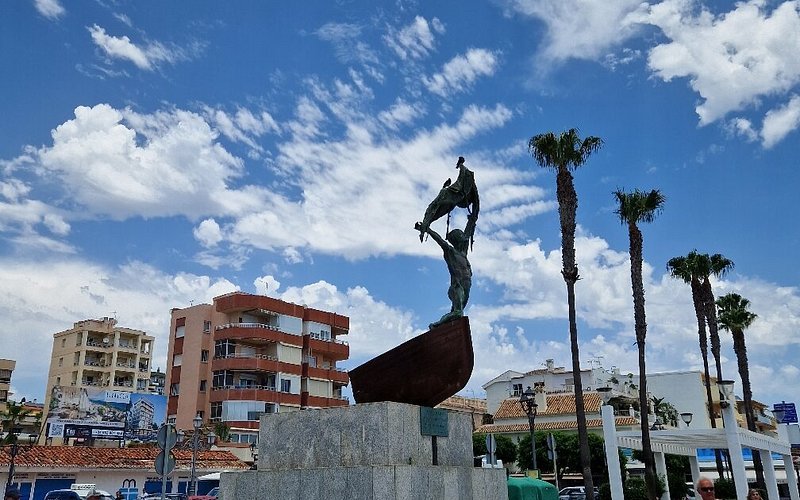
575	493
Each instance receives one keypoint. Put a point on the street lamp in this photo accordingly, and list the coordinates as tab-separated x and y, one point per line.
687	418
195	446
528	402
605	393
726	391
14	449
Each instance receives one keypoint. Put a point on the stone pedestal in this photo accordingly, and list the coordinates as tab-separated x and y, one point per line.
367	451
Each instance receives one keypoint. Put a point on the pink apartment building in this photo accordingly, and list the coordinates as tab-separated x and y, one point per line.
246	354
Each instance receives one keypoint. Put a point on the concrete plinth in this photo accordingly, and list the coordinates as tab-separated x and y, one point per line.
367	451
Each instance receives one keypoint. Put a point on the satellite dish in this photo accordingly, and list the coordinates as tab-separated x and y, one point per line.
106	341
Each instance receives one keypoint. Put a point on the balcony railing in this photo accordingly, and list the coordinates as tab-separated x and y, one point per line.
317	336
261	387
94	343
90	362
247	356
248	325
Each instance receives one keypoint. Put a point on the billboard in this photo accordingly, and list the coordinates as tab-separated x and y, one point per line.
104	414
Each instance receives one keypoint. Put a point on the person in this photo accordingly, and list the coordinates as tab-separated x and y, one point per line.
753	494
705	488
94	495
12	494
119	495
455	248
461	193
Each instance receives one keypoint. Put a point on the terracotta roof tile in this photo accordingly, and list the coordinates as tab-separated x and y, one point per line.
552	426
557	404
117	458
460	403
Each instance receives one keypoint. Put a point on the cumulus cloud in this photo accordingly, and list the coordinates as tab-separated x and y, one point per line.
208	233
459	73
732	59
51	9
780	121
415	40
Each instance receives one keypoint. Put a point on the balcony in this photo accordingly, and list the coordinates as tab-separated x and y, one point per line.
323	402
334	349
262	362
253	393
336	375
98	344
260	331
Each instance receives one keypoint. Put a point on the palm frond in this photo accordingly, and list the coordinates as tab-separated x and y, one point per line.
565	150
732	313
638	206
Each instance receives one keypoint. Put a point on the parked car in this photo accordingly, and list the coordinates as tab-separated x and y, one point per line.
575	493
212	494
70	494
169	496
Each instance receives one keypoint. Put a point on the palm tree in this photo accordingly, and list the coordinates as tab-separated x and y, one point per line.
718	266
690	269
11	419
634	208
734	317
562	154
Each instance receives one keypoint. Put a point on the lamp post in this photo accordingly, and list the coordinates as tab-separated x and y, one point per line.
528	402
14	449
687	418
195	446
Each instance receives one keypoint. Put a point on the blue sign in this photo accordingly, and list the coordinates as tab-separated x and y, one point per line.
789	412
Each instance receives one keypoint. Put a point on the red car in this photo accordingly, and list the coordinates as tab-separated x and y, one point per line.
212	494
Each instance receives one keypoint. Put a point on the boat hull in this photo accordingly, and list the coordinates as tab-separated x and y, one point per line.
422	371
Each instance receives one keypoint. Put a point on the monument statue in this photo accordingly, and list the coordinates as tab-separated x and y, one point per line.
462	193
427	369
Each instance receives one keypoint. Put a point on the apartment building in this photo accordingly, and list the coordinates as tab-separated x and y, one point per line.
6	369
93	363
98	353
246	354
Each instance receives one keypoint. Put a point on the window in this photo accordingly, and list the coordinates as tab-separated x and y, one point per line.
177	359
286	385
202	386
174	389
204	356
206	327
180	331
171	420
201	414
63	343
58	380
216	411
222	378
224	348
60	362
517	390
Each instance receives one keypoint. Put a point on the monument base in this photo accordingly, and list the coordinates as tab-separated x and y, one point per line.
379	482
380	451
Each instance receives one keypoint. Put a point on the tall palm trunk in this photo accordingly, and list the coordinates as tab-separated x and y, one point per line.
640	327
701	311
567	208
740	349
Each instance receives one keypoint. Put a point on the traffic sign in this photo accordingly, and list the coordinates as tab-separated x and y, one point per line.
551	447
491	443
167	437
165	463
790	412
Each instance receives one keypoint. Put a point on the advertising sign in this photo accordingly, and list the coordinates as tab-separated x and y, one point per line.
104	414
790	412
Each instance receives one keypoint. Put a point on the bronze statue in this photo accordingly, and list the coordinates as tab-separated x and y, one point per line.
462	193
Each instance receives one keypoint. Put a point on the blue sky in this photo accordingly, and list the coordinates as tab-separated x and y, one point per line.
154	155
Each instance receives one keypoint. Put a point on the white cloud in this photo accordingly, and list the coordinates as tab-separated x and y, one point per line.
780	121
732	59
148	57
461	71
744	128
119	163
208	233
416	40
349	48
581	29
51	9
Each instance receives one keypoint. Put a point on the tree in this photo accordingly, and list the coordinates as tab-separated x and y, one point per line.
506	449
691	268
11	419
634	208
568	454
562	154
716	265
733	316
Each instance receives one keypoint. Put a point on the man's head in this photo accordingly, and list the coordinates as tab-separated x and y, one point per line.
705	488
458	239
460	161
12	494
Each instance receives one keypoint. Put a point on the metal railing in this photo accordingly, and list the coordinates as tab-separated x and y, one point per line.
246	356
248	325
225	387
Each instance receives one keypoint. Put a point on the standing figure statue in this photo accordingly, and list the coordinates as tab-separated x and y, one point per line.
461	193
